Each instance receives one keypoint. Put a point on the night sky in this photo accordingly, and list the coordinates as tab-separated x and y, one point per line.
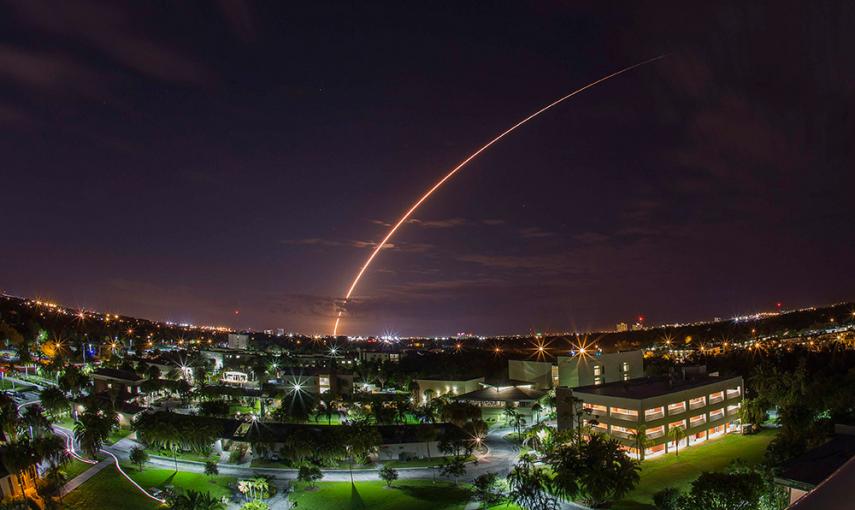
183	160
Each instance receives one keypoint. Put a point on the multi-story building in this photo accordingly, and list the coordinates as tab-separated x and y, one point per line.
621	327
699	407
580	370
238	341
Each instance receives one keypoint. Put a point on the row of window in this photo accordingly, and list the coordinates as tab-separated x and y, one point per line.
659	431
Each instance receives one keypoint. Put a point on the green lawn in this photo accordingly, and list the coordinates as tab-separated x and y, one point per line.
404	494
74	468
117	435
108	489
66	422
191	456
160	478
673	471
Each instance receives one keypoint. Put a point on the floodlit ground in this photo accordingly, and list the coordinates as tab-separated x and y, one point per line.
108	489
74	468
405	494
161	478
672	471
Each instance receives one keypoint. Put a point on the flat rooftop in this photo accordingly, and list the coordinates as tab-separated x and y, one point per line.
647	387
817	464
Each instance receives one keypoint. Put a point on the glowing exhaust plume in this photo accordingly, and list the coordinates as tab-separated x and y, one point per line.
463	163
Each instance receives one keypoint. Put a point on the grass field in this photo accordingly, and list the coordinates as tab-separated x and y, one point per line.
74	468
673	471
108	489
191	456
117	435
405	494
161	478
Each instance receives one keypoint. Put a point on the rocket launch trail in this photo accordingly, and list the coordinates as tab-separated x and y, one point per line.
459	167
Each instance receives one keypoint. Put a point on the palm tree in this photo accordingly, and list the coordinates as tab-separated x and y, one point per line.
93	428
509	413
54	401
402	408
51	449
34	421
193	500
536	408
519	422
640	438
677	433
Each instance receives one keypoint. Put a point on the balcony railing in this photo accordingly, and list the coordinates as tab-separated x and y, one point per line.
624	416
657	434
733	394
676	411
697	420
716	399
697	404
621	433
654	416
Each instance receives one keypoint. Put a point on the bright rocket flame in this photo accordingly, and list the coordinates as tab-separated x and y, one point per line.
463	163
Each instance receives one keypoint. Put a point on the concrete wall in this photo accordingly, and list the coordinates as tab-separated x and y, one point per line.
579	370
539	373
444	387
406	451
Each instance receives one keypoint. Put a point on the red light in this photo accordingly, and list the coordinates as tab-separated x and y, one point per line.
640	318
779	305
237	312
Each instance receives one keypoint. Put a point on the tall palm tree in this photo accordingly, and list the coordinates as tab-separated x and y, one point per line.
676	434
536	409
640	439
92	428
519	422
51	449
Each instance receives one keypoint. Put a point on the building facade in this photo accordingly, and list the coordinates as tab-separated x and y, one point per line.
238	341
429	388
697	408
580	370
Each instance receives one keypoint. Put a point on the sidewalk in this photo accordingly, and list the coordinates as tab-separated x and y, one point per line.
80	479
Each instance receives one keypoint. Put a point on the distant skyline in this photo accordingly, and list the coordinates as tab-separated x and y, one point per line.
183	161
